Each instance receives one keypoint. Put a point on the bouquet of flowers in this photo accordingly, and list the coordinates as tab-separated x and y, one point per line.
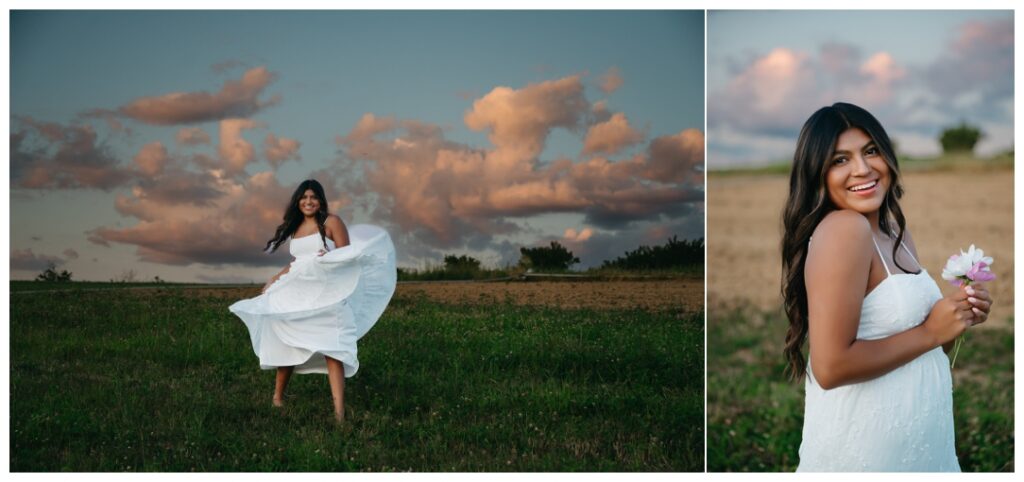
971	266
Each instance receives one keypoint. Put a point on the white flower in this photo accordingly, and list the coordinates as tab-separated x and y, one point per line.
965	266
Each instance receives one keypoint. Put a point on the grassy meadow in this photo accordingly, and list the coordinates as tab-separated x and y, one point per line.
165	379
755	416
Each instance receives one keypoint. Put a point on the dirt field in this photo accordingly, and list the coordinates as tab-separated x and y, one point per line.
684	294
945	211
654	295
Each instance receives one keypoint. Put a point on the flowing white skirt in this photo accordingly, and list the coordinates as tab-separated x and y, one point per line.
323	304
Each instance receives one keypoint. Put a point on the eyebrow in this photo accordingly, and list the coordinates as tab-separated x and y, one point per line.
865	146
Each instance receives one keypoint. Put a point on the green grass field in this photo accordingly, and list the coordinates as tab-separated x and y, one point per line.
156	380
755	416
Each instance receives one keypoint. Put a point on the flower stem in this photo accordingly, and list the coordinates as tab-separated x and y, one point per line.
956	349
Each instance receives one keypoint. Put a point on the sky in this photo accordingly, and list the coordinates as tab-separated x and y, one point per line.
168	143
918	72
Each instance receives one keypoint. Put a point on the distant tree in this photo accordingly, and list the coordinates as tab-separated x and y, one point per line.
674	254
51	274
461	266
961	138
547	258
156	279
455	263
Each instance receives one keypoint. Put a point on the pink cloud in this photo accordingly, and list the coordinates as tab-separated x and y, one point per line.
237	98
611	80
676	158
234	150
519	120
582	235
152	158
444	192
611	136
779	89
192	136
280	149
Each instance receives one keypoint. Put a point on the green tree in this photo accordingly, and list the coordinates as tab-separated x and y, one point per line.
547	258
51	274
464	266
961	138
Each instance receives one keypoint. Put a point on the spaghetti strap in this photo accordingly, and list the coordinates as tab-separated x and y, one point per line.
887	272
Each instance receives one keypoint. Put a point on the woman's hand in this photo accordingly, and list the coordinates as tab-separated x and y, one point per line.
980	300
949	317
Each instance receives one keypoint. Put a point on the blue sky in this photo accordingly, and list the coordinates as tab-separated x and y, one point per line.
178	133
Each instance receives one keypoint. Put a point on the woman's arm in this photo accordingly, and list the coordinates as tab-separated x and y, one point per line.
276	277
337	231
836	276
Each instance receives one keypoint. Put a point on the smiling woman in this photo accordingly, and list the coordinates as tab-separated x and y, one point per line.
878	385
310	315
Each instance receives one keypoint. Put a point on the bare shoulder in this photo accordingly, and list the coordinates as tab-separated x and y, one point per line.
843	236
336	230
334	222
842	224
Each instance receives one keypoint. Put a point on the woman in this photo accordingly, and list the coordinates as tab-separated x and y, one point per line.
878	385
309	315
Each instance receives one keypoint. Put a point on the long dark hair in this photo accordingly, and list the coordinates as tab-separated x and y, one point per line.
809	202
293	215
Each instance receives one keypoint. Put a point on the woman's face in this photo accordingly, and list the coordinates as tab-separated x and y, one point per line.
308	203
858	176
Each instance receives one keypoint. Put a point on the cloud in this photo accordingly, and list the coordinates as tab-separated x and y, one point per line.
172	194
611	80
26	260
47	155
760	108
192	136
611	136
277	150
152	158
583	235
444	194
979	57
676	158
518	121
234	150
231	226
237	98
110	117
70	254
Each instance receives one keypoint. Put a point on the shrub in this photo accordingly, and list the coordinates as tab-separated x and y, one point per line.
51	274
961	138
547	258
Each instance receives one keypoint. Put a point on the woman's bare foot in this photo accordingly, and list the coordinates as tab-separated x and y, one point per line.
278	402
339	417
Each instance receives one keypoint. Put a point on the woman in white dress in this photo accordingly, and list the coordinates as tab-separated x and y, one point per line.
878	385
309	315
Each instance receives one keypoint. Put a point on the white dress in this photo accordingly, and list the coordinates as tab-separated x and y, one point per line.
323	304
899	422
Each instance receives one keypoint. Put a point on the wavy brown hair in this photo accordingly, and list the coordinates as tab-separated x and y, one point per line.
293	215
808	203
